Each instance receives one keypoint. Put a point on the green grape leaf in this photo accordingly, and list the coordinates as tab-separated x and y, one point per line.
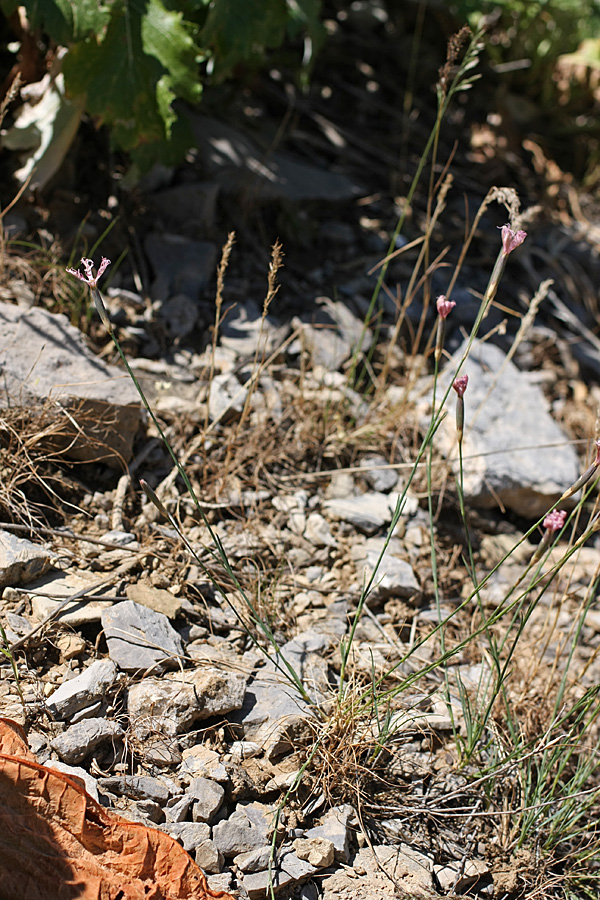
237	30
304	15
166	37
131	78
66	21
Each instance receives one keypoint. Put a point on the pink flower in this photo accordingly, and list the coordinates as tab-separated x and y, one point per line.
460	385
511	239
444	307
554	521
88	266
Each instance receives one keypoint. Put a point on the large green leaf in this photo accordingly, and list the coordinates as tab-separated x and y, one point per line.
66	21
305	16
146	60
237	30
168	38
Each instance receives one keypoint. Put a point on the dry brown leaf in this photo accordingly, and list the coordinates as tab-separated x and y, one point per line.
57	843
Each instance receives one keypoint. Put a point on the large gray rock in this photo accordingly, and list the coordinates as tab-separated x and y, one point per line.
335	827
181	266
76	772
367	512
190	834
140	638
289	868
515	453
331	333
239	165
191	206
137	787
207	796
84	690
394	576
246	331
79	740
44	358
246	829
21	561
173	703
53	587
377	473
274	715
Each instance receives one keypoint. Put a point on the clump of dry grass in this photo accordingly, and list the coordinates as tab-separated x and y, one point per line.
34	443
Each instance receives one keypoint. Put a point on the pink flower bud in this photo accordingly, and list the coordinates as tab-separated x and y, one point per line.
444	307
460	385
554	521
511	239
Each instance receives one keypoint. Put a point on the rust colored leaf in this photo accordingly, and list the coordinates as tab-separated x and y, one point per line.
57	842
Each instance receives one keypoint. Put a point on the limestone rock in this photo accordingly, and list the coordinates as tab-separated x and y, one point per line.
331	333
274	715
515	453
190	834
79	740
53	587
154	598
238	165
208	857
76	772
83	690
318	851
207	797
139	638
181	265
246	829
173	703
394	577
379	477
137	787
43	357
21	560
335	827
367	512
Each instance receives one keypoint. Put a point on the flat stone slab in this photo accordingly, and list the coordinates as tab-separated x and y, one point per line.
155	598
239	165
83	690
44	358
57	586
79	740
181	266
515	453
21	560
394	577
274	715
137	787
367	512
140	638
175	702
331	333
